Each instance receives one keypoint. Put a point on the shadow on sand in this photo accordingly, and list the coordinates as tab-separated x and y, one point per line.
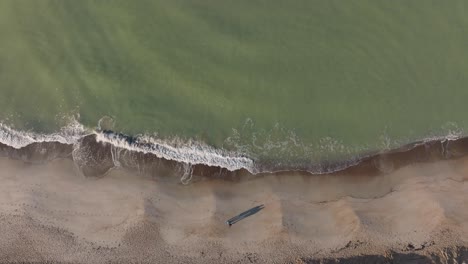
245	214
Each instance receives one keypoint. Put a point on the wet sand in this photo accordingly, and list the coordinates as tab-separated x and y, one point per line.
51	212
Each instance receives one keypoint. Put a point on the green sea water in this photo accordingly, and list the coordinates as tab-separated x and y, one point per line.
279	79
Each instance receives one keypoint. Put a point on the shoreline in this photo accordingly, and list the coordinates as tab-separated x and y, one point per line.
95	158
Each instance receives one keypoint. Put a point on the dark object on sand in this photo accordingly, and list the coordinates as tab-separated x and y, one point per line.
245	214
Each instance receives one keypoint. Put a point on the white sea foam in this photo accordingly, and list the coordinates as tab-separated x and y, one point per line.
69	134
189	152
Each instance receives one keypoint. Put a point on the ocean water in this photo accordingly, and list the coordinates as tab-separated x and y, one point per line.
234	84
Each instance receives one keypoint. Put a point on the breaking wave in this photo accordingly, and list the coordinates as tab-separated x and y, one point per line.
189	152
76	136
69	134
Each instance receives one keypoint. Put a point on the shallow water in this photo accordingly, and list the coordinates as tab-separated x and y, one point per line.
290	84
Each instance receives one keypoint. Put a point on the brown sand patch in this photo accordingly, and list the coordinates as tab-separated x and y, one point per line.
48	212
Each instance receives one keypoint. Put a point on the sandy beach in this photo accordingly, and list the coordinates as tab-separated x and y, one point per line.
50	212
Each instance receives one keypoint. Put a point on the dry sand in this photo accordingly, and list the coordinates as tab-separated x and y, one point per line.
417	213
